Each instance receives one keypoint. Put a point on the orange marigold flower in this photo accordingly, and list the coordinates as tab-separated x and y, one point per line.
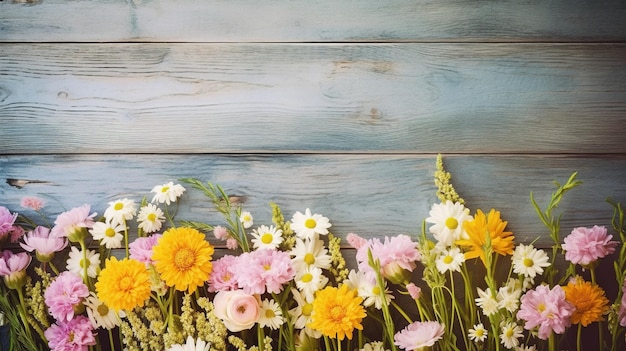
182	256
337	312
588	298
482	226
123	285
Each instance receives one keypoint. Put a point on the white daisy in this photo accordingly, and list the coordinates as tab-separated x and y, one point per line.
374	346
309	281
511	333
368	291
100	314
265	237
300	315
190	345
150	218
486	302
478	333
508	296
450	260
167	193
526	348
270	315
76	264
310	253
120	210
447	219
307	225
109	233
246	219
529	261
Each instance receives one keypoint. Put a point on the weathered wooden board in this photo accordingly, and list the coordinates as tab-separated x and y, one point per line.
416	98
311	21
372	195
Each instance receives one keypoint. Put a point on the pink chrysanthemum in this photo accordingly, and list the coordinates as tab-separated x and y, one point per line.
73	335
6	220
32	202
223	276
141	248
263	271
397	255
65	292
586	245
546	309
622	307
356	241
419	335
73	223
40	241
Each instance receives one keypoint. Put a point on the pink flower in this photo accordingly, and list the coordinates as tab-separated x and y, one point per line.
223	274
13	268
263	271
232	244
6	220
43	243
622	307
238	310
356	241
419	335
141	248
65	292
73	335
547	309
74	223
31	202
586	245
397	255
220	232
414	291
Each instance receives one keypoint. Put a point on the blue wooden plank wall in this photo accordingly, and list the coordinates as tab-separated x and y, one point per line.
338	106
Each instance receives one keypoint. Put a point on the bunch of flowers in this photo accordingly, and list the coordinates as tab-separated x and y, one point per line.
463	283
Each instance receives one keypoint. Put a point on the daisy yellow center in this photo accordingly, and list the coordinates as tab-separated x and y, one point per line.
310	223
84	263
118	206
307	309
509	333
152	217
376	290
337	313
528	262
479	333
246	218
269	314
267	238
103	310
307	277
452	223
184	259
165	189
110	232
447	259
309	258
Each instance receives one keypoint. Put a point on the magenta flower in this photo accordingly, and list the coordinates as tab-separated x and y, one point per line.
585	245
31	202
263	270
419	335
74	223
45	245
223	275
141	248
73	335
546	309
63	294
13	268
397	255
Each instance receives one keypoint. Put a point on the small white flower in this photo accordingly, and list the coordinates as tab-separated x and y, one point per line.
478	333
310	253
167	193
307	225
266	237
447	219
368	291
300	315
450	260
508	296
100	314
529	261
76	264
246	219
271	315
150	218
511	333
486	302
526	348
374	346
109	233
309	281
190	345
120	210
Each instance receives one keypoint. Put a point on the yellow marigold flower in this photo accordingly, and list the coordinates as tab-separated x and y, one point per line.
479	228
123	285
588	298
182	257
337	312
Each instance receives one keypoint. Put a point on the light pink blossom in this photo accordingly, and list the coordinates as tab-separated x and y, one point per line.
238	310
414	291
13	268
419	335
73	223
232	244
585	245
63	294
6	220
73	335
356	241
32	202
220	233
223	274
141	248
622	307
397	255
263	271
45	245
546	309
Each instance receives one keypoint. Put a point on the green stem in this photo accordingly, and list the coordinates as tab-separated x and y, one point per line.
22	310
111	343
260	338
578	337
551	343
126	238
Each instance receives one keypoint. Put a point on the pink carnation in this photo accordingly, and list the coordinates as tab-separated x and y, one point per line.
264	270
223	275
65	292
73	335
356	241
141	248
69	222
397	255
31	202
220	233
419	335
547	309
586	245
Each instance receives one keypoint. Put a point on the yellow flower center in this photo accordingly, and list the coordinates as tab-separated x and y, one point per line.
103	310
151	217
184	259
84	263
452	223
376	291
310	223
541	307
528	262
479	333
337	313
110	232
70	337
267	238
118	206
246	218
307	277
165	189
126	283
307	309
447	259
509	333
269	313
267	267
309	258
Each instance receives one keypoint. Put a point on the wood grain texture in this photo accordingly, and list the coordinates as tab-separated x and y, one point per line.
244	98
311	21
372	195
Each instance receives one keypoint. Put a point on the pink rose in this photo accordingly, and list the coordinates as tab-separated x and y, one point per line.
238	310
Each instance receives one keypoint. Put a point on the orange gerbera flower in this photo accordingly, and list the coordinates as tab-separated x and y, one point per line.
588	298
482	227
337	312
